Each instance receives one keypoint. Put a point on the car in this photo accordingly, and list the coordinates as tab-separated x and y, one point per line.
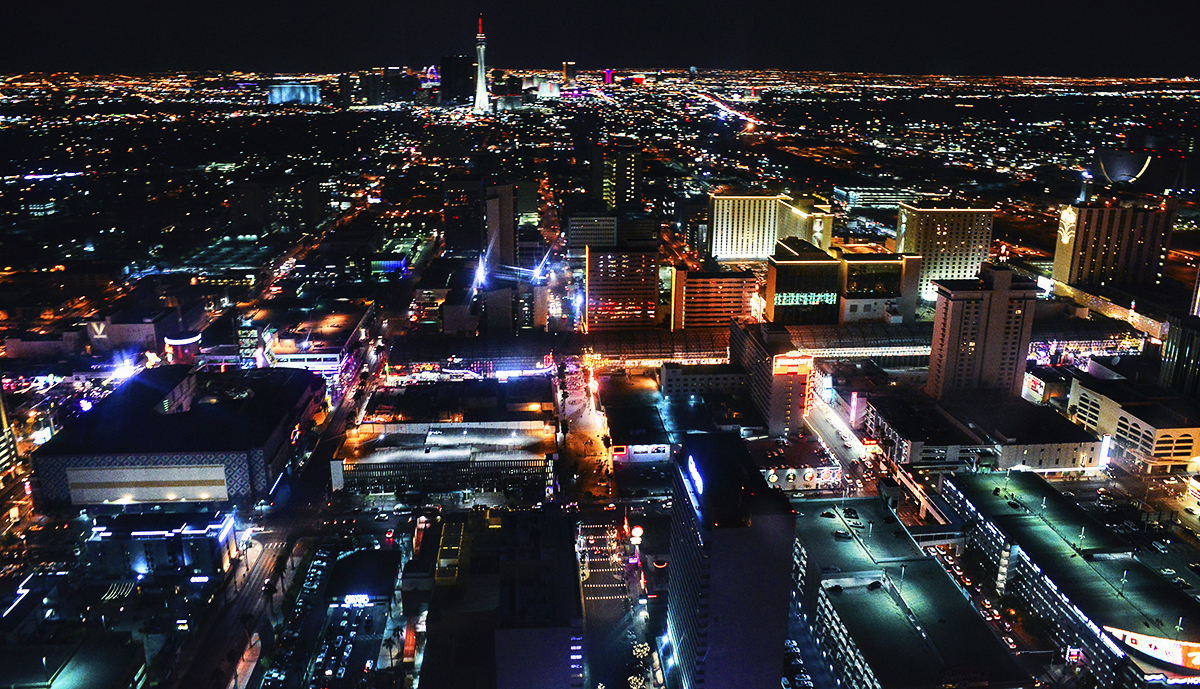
842	534
391	533
827	514
1167	572
341	672
988	604
855	524
1010	641
382	517
1190	510
966	581
847	444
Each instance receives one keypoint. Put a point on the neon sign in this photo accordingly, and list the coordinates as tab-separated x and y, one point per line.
695	474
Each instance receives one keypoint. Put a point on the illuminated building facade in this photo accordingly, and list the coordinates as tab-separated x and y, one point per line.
463	229
622	288
617	175
731	543
8	447
746	226
294	94
951	239
802	284
1114	243
585	229
981	333
710	299
191	545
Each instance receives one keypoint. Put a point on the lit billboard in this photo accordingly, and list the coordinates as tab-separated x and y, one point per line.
792	362
1180	653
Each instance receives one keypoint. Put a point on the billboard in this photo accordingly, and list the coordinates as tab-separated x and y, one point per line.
792	362
1179	653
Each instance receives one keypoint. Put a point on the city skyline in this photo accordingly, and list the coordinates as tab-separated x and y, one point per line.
1024	39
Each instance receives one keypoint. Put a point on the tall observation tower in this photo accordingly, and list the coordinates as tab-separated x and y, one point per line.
481	92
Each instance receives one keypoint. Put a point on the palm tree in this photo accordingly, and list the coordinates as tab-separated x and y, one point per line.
390	645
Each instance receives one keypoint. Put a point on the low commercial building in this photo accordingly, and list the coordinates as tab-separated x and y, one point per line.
884	614
700	379
477	435
1154	431
1105	611
113	660
170	434
190	546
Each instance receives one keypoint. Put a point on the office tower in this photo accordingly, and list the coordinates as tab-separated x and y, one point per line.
638	229
481	92
745	226
374	80
981	331
802	284
500	217
731	553
1113	243
568	74
457	79
1181	357
599	229
617	175
345	90
701	299
621	288
951	238
779	373
463	232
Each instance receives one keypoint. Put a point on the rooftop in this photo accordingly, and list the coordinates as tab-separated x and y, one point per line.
931	630
231	411
1088	570
730	488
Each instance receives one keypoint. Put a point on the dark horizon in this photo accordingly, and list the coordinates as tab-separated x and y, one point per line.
1100	39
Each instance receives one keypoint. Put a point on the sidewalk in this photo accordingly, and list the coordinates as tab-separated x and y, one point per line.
247	664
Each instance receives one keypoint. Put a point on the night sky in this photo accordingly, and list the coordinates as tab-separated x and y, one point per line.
1054	37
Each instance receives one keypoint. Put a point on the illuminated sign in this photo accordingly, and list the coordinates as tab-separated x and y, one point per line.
695	474
199	580
804	298
357	600
1034	384
181	342
1066	224
809	474
1180	653
1105	446
792	362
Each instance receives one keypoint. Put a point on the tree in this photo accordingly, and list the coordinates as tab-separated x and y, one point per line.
248	621
390	644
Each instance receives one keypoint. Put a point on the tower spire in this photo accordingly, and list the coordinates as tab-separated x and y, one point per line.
481	93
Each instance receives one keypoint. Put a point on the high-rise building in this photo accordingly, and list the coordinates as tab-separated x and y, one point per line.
808	286
778	371
500	216
568	74
622	288
981	332
731	552
745	226
709	299
463	230
8	447
1113	243
457	79
596	229
481	93
617	175
1181	357
802	284
951	238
